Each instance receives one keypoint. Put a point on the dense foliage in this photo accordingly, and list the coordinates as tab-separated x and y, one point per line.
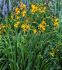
31	39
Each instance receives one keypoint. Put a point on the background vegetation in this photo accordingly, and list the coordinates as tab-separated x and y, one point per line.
31	35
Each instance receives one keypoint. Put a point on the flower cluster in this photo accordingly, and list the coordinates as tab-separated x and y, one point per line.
33	19
25	27
56	21
42	25
35	8
16	25
3	28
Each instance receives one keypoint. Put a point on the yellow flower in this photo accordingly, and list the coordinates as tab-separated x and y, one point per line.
16	25
56	22
34	8
43	28
25	27
42	9
34	31
17	17
45	8
17	10
56	19
23	13
43	22
22	6
42	25
2	28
